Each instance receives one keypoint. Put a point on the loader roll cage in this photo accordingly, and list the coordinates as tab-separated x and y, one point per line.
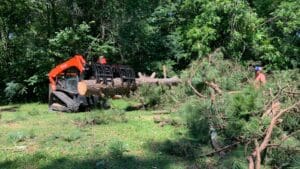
77	62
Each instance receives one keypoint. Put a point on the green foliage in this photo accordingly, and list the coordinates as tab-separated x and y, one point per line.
78	40
16	136
173	97
181	148
14	90
286	26
72	136
242	111
196	114
36	36
282	158
20	136
151	95
235	159
242	104
192	29
238	165
117	148
238	115
227	74
207	162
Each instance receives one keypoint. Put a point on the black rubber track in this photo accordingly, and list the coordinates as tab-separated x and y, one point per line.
69	102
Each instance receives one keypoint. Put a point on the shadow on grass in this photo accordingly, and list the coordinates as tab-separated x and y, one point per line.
13	108
45	161
183	148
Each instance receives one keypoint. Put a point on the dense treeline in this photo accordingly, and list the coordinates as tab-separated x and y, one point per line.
36	35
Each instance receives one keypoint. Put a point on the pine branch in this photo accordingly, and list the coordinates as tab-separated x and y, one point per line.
220	149
284	139
256	153
195	90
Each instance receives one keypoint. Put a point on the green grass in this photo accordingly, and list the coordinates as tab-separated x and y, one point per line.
32	137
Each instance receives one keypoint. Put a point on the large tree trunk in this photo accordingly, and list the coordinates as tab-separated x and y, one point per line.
158	81
90	87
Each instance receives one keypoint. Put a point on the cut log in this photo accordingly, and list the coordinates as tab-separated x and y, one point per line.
90	87
158	81
115	97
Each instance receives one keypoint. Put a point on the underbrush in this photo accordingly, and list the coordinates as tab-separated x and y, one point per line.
67	136
102	118
184	148
20	136
117	148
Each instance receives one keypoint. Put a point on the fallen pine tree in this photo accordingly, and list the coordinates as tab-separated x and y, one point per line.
255	127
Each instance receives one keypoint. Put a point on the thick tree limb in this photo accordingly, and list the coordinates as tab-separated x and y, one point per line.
214	86
251	162
195	90
274	108
277	114
258	158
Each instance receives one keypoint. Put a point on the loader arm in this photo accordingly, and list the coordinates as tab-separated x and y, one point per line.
76	61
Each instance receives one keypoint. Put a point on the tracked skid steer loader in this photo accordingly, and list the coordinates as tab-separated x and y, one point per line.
63	93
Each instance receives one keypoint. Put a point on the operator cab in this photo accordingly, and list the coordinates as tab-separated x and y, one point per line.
68	80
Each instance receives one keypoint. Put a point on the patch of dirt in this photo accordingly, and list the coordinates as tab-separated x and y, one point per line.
32	148
13	125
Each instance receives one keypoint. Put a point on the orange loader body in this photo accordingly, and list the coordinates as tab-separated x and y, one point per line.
77	61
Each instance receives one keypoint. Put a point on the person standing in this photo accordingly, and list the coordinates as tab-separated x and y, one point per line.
260	77
102	60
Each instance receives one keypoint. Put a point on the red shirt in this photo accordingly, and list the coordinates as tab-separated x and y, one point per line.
102	61
260	77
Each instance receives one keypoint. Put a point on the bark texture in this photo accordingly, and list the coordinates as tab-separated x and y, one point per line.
116	87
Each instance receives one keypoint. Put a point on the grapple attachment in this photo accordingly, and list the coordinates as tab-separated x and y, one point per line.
105	74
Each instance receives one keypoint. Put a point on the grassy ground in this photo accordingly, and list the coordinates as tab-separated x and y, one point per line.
32	137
